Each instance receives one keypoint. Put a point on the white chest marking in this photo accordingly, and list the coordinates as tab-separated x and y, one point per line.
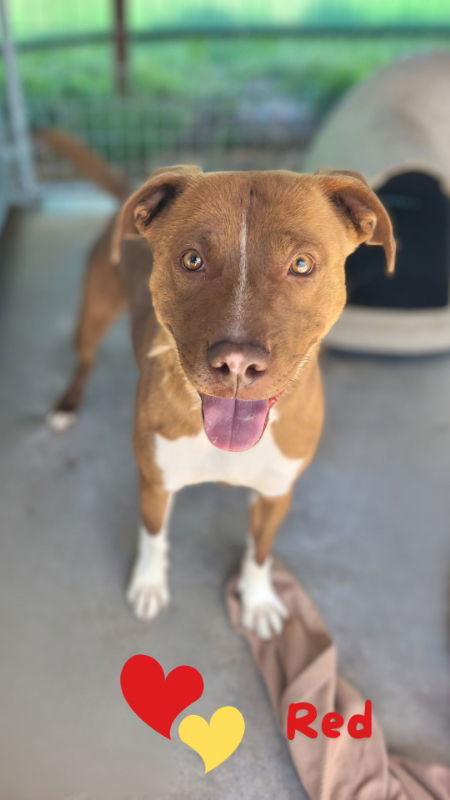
193	459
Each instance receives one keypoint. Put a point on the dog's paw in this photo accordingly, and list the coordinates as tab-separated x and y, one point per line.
148	590
60	421
147	598
263	613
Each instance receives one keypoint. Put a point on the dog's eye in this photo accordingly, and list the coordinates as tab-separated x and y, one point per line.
302	265
192	261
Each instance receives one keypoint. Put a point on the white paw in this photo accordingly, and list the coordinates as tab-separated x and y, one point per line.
262	610
60	421
263	615
147	597
148	590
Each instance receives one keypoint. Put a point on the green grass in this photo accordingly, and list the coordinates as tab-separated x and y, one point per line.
188	83
216	71
45	17
315	70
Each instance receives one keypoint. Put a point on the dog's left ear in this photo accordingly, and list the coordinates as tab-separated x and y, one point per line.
150	200
361	208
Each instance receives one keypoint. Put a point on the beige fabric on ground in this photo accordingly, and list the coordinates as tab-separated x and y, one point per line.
300	665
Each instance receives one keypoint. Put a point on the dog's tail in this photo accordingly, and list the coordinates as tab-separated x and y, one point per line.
86	163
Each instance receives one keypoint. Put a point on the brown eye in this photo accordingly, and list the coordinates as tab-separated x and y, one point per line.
192	261
302	265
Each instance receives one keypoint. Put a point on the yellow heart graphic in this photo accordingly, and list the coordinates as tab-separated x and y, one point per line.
215	740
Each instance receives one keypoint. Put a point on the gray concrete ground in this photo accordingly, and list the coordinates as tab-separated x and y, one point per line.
367	535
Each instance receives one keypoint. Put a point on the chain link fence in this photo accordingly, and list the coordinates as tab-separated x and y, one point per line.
225	84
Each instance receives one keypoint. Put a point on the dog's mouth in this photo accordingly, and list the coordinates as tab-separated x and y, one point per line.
233	424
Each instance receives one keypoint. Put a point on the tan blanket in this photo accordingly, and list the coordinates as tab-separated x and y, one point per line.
300	665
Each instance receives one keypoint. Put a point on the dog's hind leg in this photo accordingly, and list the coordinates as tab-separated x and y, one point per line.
104	298
262	610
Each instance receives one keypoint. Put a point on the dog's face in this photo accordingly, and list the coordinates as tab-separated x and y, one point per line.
248	277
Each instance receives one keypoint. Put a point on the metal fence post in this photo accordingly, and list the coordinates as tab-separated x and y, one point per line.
120	46
26	187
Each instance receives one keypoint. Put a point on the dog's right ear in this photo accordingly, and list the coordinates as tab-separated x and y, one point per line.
141	208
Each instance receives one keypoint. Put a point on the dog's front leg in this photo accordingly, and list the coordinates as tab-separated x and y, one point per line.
148	590
262	610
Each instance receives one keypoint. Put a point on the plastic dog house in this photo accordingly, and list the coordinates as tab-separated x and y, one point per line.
395	128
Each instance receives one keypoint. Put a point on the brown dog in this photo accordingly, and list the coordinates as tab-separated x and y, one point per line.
233	279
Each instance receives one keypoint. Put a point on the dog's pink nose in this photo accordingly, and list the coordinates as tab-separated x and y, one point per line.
233	362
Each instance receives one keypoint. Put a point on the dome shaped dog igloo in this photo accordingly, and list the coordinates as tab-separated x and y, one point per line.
395	129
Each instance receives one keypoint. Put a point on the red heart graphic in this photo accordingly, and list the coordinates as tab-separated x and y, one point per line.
157	699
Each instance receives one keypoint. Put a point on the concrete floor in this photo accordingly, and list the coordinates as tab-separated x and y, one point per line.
367	535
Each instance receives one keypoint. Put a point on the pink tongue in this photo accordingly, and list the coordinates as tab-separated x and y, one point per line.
234	424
